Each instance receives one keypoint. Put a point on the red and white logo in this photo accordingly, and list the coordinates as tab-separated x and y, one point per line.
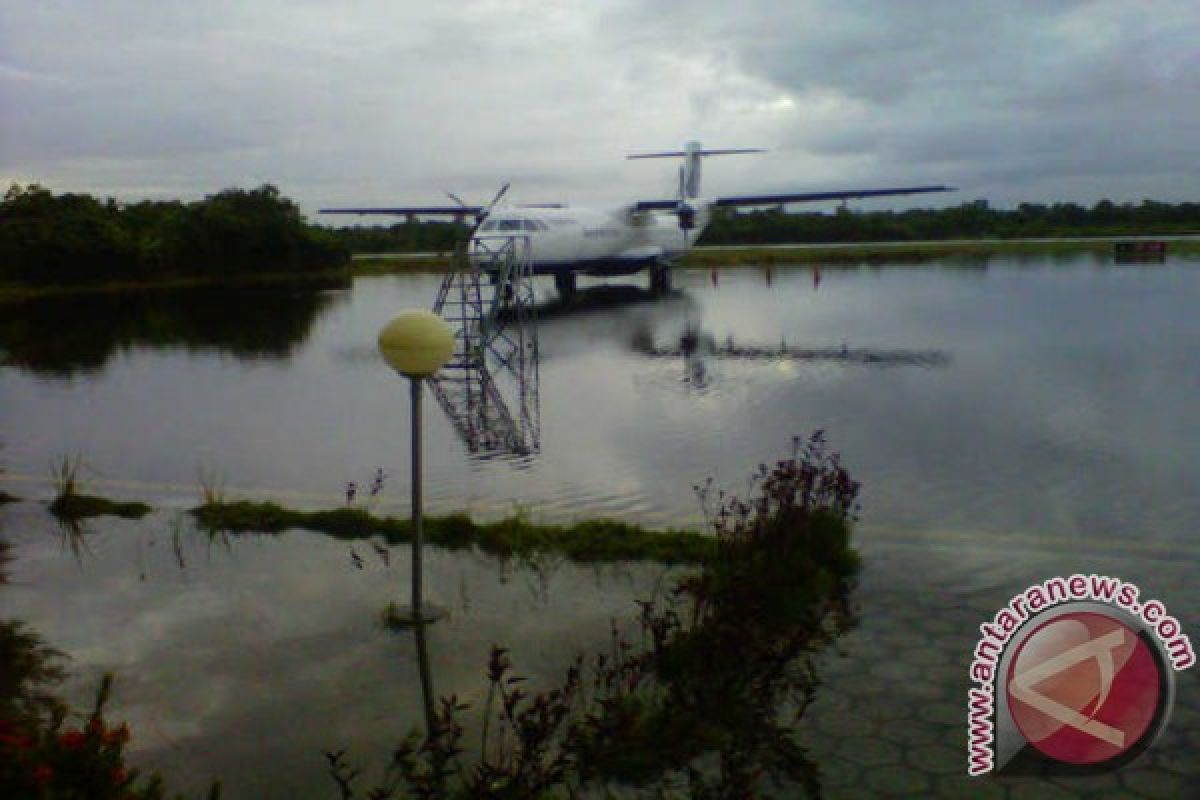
1084	688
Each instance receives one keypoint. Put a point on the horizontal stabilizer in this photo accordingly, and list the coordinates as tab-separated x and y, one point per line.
816	197
450	211
681	153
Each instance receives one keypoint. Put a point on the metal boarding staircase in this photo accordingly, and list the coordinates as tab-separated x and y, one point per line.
488	301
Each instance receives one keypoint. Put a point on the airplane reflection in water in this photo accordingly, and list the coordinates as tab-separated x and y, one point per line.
495	404
493	400
696	344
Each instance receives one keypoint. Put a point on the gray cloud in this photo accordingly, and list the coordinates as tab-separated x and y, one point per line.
394	103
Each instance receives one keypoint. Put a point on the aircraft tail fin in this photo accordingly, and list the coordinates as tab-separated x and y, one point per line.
692	155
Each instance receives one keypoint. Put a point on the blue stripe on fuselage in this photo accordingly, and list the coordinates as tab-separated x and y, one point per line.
595	266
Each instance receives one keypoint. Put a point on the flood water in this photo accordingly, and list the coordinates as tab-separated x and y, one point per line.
1008	419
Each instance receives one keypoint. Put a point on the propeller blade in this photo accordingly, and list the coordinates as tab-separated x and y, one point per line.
496	199
483	212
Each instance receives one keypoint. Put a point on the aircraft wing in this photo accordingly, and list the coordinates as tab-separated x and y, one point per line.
814	197
655	205
450	211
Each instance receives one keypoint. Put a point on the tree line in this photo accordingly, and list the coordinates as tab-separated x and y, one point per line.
777	226
967	221
72	238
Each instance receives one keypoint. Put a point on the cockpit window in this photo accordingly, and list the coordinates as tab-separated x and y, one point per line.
514	225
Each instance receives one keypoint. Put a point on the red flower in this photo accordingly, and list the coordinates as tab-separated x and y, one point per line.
42	774
118	776
10	734
72	740
17	740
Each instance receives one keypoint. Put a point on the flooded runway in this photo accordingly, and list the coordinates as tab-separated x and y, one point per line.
1008	421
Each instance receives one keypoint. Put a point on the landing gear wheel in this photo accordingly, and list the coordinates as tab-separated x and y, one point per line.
564	282
660	279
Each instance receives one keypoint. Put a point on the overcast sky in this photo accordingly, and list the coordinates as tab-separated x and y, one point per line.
390	103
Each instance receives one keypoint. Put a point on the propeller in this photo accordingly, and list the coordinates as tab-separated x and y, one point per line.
483	213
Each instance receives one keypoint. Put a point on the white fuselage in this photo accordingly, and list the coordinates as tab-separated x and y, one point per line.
596	241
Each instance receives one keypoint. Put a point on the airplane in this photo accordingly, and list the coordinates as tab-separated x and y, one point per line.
649	235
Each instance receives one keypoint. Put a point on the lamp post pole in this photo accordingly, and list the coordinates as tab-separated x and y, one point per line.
418	544
416	344
418	533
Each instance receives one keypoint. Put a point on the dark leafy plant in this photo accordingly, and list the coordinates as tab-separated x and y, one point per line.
44	757
29	670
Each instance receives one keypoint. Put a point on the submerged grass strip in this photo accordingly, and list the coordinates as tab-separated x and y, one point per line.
838	253
880	253
909	252
590	541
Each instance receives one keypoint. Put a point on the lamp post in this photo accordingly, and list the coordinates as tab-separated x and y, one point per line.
416	344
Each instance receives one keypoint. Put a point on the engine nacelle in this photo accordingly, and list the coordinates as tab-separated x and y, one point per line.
687	218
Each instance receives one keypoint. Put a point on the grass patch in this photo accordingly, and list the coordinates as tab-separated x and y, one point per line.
389	265
72	505
591	541
212	487
908	252
880	253
81	506
14	291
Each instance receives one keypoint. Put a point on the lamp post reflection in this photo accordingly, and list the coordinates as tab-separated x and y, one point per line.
426	677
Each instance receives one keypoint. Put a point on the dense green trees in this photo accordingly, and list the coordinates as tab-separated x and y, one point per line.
969	220
425	236
775	226
70	238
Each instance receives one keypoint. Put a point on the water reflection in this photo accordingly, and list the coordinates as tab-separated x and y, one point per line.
695	344
494	402
608	297
427	695
1140	252
474	399
1032	397
80	333
72	533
